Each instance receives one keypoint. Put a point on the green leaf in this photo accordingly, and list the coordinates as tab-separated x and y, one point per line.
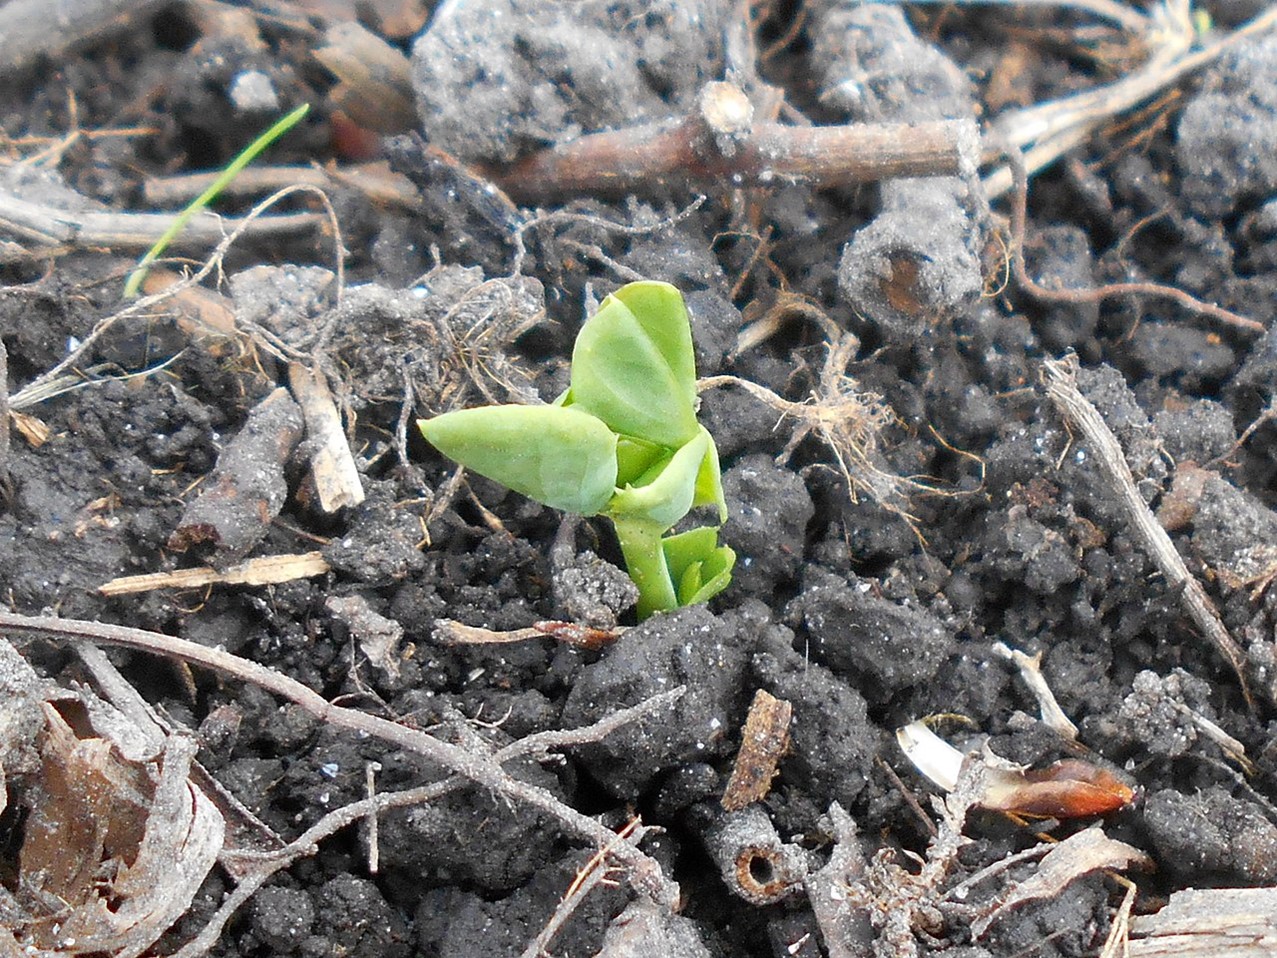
686	548
662	312
709	481
633	365
562	457
713	576
700	566
220	182
634	458
668	497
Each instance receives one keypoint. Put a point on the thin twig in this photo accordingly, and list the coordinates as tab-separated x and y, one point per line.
591	875
1060	378
609	226
51	226
645	873
1127	17
1019	216
1118	940
1045	131
264	864
1030	667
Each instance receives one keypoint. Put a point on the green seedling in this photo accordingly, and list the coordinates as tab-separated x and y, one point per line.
233	169
623	442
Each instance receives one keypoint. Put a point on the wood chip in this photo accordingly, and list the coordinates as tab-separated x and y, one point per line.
332	464
266	570
1209	923
764	740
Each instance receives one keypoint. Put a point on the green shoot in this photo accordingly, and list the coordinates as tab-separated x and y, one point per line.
233	169
623	442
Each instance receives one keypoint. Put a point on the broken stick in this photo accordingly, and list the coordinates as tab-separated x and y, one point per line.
1060	378
645	873
720	142
264	570
332	464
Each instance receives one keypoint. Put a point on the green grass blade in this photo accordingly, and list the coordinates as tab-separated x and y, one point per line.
246	156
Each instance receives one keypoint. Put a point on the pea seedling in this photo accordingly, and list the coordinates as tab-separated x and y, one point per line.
623	442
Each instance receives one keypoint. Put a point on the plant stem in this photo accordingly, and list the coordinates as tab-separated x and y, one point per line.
645	563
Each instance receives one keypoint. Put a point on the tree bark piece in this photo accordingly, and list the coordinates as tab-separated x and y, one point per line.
1209	923
247	488
764	740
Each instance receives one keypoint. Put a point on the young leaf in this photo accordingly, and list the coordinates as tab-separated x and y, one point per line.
700	566
668	497
634	457
633	366
661	311
562	457
709	481
712	577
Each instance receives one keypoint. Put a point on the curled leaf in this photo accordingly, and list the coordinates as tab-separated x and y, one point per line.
670	493
709	481
561	457
698	565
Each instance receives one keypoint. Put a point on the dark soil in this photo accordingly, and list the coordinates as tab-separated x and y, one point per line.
864	606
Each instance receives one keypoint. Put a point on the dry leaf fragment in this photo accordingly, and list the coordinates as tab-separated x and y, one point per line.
1087	851
378	636
114	850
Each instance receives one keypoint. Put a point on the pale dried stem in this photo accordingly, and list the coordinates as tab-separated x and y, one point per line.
1060	378
645	873
1046	131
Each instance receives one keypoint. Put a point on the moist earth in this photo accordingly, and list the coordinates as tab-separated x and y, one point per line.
881	559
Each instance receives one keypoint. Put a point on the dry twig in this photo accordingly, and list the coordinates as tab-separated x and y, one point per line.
146	305
51	226
1019	206
645	874
332	464
255	868
1030	667
720	142
1046	131
264	570
1060	378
